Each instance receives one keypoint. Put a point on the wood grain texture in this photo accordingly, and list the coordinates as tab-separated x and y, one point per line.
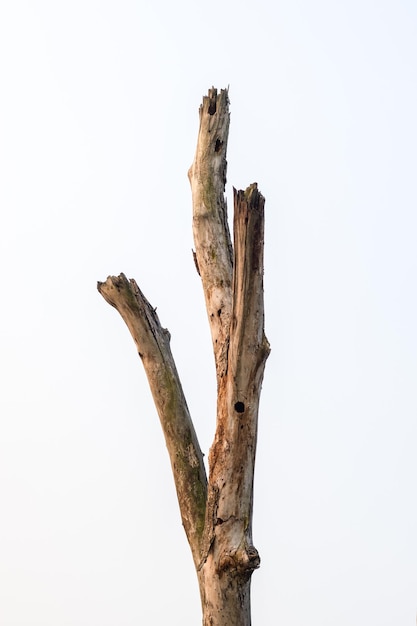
216	512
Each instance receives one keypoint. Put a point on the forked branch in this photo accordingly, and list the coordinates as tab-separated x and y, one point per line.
153	345
217	515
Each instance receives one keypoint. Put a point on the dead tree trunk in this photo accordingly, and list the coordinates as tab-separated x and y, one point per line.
216	512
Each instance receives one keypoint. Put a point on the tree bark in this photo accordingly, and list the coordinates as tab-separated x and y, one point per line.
216	513
231	558
153	344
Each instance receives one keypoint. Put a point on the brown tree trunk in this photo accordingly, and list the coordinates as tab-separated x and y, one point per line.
216	513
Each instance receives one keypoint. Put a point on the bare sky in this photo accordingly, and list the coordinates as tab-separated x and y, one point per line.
98	126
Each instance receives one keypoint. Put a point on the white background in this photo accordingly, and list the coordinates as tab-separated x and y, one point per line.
98	121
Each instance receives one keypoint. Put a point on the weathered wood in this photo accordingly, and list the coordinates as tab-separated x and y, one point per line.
232	456
217	514
213	253
231	557
153	344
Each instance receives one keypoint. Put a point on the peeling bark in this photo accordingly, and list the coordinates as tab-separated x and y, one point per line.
216	513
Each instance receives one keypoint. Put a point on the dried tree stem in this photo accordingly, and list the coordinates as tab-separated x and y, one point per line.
233	289
153	345
214	255
216	514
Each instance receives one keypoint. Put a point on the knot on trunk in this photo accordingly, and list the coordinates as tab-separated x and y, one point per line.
242	562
